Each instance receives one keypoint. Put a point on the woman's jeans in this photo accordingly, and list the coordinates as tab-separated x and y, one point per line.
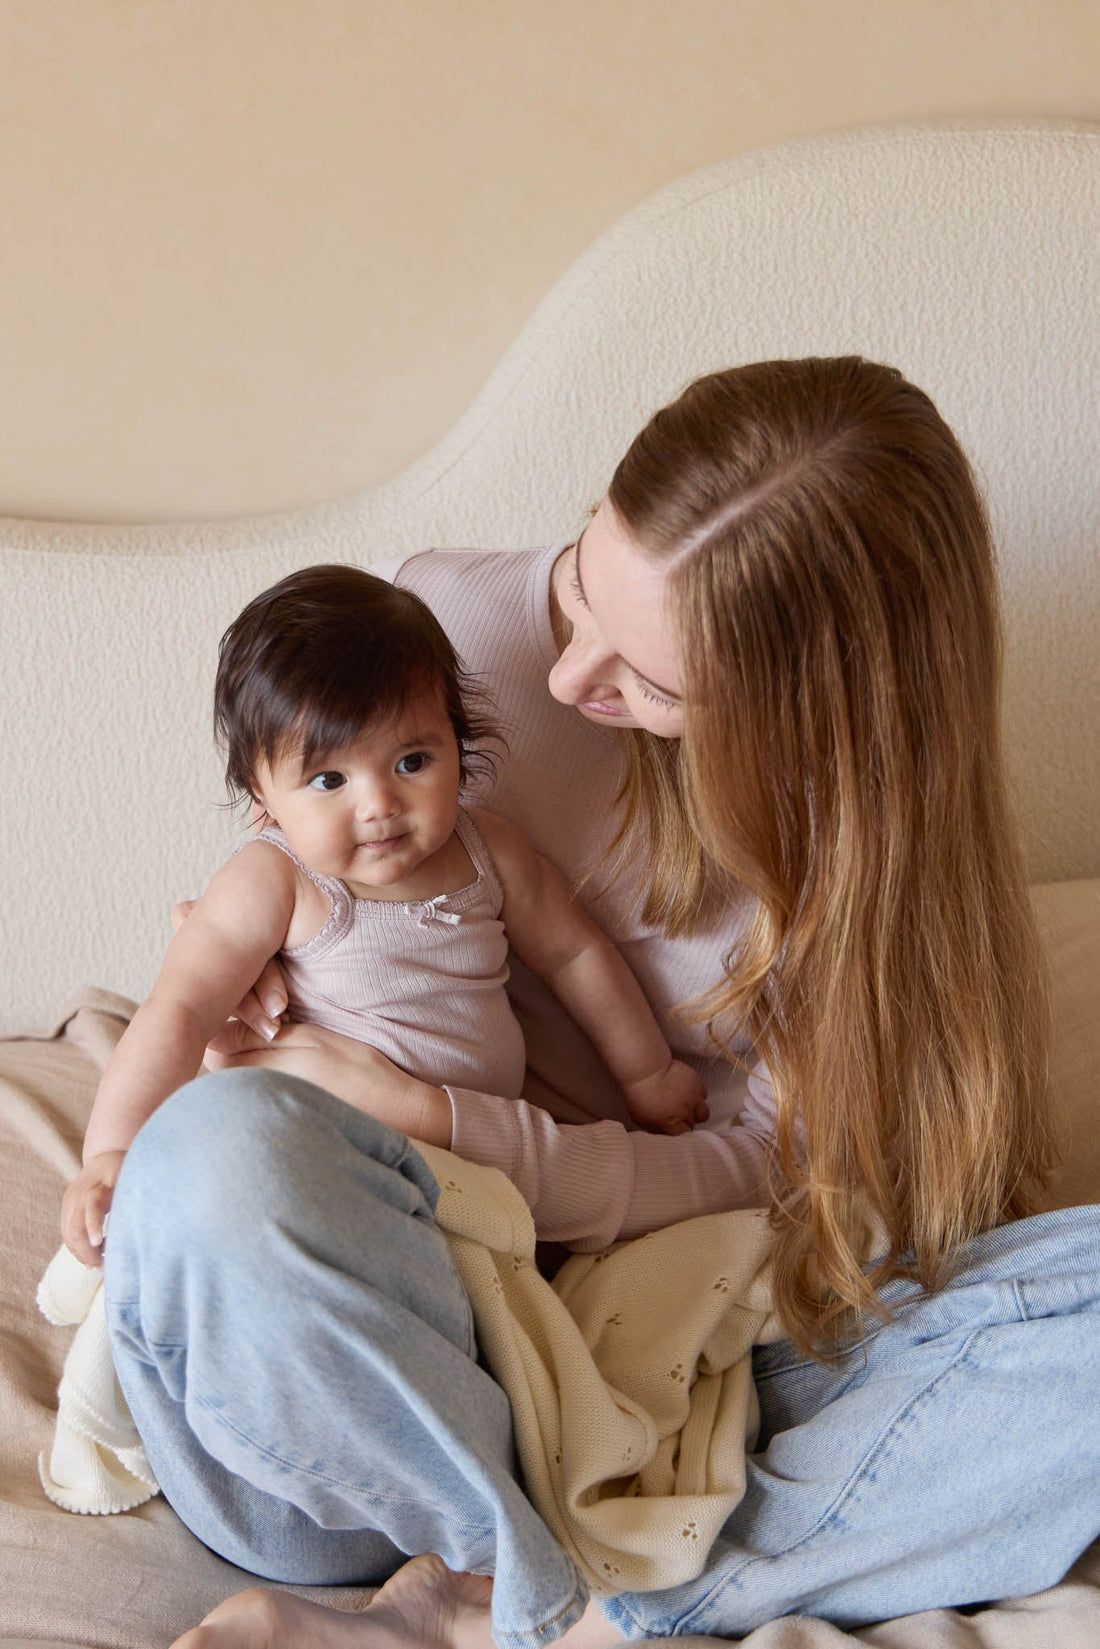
299	1358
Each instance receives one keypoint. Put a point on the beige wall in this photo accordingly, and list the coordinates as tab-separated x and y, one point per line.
255	253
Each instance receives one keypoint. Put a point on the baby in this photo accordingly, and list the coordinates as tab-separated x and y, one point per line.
347	719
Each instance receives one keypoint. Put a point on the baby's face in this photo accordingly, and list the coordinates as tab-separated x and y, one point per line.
372	813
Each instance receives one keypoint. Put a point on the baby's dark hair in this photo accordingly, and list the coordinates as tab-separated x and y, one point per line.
326	653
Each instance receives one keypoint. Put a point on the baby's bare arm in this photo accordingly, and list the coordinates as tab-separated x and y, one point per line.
240	921
550	932
237	924
262	1006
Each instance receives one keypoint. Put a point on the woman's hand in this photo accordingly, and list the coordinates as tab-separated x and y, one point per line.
259	1012
353	1071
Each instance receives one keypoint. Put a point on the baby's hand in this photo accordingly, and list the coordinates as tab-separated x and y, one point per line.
85	1205
671	1101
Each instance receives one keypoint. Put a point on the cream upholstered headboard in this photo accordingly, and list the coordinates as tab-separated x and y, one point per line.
966	255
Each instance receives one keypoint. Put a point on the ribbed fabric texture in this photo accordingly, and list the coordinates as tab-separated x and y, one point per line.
422	982
586	1174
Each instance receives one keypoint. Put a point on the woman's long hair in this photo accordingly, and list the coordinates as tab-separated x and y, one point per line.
832	576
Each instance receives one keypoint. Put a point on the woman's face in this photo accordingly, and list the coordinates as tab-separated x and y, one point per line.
621	663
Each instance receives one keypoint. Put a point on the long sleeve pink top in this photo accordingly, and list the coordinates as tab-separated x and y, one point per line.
589	1176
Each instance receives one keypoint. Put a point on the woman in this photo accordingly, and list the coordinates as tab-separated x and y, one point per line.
785	609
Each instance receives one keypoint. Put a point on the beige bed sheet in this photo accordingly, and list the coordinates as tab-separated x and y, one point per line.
139	1580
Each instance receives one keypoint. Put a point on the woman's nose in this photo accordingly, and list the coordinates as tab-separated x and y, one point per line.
582	672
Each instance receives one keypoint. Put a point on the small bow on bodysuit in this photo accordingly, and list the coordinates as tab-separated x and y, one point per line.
431	910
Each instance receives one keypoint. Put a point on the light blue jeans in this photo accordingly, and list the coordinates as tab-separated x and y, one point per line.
300	1360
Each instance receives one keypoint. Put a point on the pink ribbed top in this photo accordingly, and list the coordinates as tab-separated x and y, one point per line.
569	1145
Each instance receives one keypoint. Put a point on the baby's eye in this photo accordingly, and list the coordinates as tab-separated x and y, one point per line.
414	763
327	781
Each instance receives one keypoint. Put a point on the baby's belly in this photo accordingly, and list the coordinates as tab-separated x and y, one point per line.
470	1040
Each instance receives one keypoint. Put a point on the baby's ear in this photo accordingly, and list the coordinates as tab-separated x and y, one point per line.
261	818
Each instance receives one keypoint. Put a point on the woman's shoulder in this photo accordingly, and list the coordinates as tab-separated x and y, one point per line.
482	595
495	607
471	568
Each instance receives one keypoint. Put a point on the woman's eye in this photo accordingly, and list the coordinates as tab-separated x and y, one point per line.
647	692
576	583
327	781
415	763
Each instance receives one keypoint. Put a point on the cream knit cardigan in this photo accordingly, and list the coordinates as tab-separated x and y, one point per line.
629	1378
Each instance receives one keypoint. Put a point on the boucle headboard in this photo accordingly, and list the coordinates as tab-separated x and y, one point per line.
963	254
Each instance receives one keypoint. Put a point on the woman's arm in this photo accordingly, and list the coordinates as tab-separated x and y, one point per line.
597	1183
353	1071
587	1185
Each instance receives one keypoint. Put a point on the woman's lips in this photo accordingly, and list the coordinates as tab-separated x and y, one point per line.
594	708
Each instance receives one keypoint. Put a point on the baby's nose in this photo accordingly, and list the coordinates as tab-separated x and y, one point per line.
377	801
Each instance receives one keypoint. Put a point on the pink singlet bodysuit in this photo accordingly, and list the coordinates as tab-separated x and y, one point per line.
422	982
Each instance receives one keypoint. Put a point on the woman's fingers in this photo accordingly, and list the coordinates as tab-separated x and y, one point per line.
352	1070
252	1013
238	1036
265	1003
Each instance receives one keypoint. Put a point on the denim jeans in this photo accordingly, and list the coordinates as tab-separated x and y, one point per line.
300	1360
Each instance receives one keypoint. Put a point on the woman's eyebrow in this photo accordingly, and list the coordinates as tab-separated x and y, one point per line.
665	692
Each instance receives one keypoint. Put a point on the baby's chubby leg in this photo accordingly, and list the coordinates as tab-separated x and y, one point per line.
299	1355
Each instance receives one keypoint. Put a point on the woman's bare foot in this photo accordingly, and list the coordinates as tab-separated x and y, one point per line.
424	1605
